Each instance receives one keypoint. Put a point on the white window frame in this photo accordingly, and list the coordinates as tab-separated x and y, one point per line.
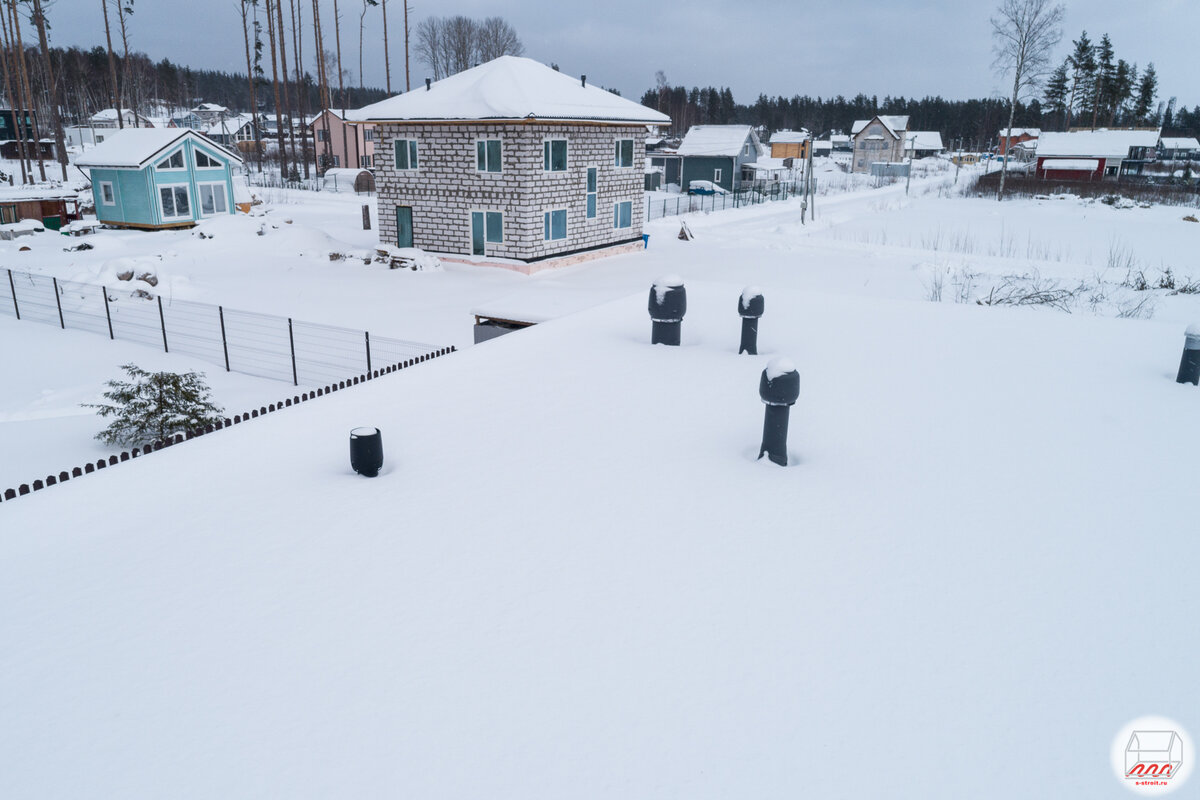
548	225
163	212
483	140
365	162
746	149
368	134
337	161
197	152
215	186
591	196
486	241
112	193
414	154
181	168
548	154
617	154
716	177
617	214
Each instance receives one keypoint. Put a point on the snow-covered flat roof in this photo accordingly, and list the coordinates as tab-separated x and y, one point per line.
1180	143
1100	144
714	140
790	137
573	574
136	147
509	88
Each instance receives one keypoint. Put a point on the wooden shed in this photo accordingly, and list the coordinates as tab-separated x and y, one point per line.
53	208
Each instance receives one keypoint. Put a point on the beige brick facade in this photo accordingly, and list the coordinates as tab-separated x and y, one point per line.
446	186
875	143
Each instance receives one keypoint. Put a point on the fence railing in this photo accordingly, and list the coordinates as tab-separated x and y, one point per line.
264	345
657	208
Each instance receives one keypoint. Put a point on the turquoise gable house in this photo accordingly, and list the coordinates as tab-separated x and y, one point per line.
160	178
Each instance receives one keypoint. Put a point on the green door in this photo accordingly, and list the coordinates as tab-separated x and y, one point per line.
404	229
477	234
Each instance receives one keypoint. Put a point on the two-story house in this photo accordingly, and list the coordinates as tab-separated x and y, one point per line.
879	139
510	160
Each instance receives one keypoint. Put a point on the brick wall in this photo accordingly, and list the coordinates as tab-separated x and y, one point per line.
446	187
893	149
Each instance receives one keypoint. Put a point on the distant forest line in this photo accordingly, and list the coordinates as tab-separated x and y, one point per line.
83	76
973	123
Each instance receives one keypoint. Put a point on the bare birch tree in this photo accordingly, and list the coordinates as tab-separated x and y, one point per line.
1025	33
362	22
112	66
60	144
245	4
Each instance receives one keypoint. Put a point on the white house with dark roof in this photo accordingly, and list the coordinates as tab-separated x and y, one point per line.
716	153
510	161
876	140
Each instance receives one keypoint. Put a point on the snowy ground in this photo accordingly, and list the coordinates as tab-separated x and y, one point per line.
43	429
574	580
986	535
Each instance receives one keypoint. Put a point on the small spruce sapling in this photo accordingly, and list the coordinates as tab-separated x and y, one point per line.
152	406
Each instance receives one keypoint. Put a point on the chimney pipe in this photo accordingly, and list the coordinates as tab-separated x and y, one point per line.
428	81
583	80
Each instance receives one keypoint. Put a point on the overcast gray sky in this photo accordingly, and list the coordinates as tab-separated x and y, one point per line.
777	47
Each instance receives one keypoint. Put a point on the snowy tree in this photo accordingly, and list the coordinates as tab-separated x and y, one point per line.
152	406
1026	32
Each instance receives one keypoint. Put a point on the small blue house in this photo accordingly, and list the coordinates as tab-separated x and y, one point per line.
160	178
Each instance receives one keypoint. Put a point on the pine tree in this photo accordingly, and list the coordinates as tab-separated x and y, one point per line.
1103	79
1147	90
1057	90
152	406
1083	68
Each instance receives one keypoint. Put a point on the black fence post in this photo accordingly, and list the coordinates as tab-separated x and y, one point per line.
224	342
292	344
367	338
58	302
107	314
13	288
163	322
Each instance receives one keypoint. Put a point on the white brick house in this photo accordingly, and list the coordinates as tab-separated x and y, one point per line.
510	160
879	139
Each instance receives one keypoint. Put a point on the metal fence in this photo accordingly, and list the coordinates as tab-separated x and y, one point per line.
240	341
657	208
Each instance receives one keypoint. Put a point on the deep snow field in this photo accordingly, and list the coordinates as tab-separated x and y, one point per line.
573	579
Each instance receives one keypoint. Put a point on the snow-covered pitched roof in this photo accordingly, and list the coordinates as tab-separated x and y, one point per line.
924	140
716	140
1100	144
790	137
509	88
137	147
229	125
894	124
1034	132
107	114
210	108
1177	143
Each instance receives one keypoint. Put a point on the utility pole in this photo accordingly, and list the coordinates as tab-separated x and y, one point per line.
912	143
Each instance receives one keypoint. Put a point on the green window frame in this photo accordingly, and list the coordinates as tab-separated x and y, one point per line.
554	155
591	192
405	154
555	225
623	214
488	155
623	155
